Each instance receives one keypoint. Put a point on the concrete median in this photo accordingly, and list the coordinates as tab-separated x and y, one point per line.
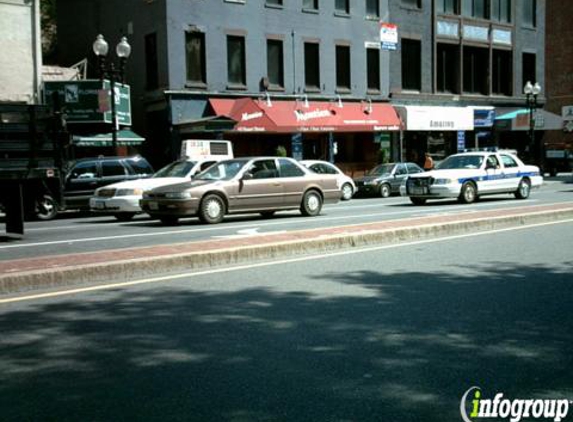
112	266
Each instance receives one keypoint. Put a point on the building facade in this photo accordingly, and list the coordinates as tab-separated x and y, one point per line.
453	65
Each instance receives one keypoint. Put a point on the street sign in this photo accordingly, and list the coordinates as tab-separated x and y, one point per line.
296	146
89	101
388	36
567	112
461	140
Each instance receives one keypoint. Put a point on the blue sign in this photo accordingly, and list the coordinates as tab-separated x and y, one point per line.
461	140
296	146
484	117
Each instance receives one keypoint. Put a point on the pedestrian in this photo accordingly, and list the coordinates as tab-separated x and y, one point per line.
428	162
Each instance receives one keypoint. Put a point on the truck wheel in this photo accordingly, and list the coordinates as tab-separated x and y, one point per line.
46	208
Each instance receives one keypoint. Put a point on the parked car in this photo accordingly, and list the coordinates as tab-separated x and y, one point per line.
467	176
122	199
385	179
347	186
244	185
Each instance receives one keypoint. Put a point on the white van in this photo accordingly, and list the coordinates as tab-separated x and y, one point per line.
122	199
211	150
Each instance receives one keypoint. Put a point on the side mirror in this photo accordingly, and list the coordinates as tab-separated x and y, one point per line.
247	176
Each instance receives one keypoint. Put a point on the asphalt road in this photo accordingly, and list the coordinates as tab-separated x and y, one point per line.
70	234
394	333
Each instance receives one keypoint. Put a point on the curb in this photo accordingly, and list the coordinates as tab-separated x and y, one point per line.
129	269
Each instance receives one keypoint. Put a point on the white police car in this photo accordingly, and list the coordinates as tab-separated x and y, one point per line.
469	175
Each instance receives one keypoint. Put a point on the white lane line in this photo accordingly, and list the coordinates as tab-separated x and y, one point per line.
428	211
166	279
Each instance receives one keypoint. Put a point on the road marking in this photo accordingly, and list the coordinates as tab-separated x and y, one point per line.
241	234
166	279
427	212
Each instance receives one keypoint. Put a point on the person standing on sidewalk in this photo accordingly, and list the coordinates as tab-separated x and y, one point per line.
428	162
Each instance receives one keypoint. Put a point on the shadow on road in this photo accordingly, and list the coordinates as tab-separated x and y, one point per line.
375	347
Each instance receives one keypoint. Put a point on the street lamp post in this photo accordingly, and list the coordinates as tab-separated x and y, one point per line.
108	70
531	92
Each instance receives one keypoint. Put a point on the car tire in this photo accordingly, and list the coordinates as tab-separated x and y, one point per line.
311	203
124	216
212	209
46	208
267	214
347	191
385	190
418	201
523	189
169	220
468	193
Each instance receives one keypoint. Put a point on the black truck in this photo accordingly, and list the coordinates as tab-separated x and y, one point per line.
32	146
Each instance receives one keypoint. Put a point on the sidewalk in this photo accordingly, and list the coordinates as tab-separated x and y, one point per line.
126	264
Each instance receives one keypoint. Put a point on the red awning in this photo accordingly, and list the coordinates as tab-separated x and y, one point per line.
306	116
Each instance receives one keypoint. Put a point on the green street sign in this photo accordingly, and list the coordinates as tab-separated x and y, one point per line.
89	101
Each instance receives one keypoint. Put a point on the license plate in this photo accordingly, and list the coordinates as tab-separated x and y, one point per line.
100	205
418	191
153	206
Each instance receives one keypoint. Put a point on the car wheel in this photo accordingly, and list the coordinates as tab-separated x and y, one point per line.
418	201
267	214
212	209
468	193
46	208
385	190
124	216
347	191
169	220
311	204
523	189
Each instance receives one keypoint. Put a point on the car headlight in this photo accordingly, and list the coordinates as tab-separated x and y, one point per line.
442	181
178	195
129	192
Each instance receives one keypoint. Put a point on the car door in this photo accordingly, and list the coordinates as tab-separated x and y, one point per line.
81	182
400	174
294	181
511	169
260	187
494	178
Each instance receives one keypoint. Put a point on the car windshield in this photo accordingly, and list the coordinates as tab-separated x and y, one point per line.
224	170
462	162
380	170
176	169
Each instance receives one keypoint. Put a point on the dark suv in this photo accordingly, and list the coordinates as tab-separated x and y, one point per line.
86	175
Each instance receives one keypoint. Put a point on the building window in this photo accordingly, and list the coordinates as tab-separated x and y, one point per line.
310	4
528	68
411	64
274	2
195	57
501	78
475	9
500	10
311	66
343	67
373	8
448	7
530	12
275	63
236	72
342	6
413	3
476	72
373	68
151	63
448	68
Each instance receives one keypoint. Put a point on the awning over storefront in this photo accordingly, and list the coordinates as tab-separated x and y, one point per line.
124	137
518	119
306	116
433	118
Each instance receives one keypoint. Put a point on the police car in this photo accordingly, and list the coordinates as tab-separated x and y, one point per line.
467	176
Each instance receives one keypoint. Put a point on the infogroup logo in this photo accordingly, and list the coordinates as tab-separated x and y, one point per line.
513	409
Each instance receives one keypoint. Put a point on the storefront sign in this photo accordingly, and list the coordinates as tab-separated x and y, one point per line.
439	118
484	117
388	36
89	101
461	140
